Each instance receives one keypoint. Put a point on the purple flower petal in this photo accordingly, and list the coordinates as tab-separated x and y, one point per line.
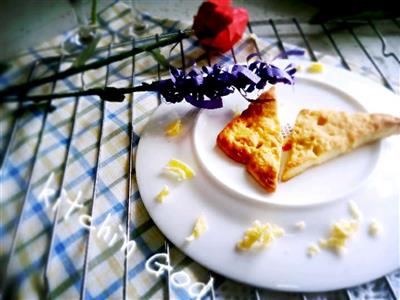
205	87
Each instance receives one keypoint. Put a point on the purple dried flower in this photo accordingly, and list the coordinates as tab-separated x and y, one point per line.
205	87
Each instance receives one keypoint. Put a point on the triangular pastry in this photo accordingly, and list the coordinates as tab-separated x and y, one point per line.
254	139
319	136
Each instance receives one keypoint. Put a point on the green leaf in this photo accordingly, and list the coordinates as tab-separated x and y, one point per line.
87	53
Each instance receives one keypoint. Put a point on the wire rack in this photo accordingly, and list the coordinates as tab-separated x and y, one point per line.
281	31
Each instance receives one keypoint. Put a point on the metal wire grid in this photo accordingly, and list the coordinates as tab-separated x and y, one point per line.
327	30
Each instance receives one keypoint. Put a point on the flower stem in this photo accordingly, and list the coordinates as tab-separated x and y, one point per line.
93	13
110	94
17	89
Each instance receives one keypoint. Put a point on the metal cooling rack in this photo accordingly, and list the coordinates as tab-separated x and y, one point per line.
282	32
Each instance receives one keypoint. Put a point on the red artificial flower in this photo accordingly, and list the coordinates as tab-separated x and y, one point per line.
218	25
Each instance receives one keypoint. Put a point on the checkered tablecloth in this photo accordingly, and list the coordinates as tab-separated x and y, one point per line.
58	150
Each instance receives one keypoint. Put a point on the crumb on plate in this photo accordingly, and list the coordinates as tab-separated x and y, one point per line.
301	225
313	250
315	68
260	236
162	194
375	228
340	233
179	170
355	210
199	228
174	128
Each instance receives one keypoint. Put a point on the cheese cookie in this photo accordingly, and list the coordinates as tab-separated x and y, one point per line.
254	139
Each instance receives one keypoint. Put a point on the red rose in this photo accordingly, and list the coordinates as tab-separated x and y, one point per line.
218	25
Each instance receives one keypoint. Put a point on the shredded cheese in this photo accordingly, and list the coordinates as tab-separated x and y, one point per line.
340	233
179	170
301	225
313	250
260	236
199	228
375	228
355	210
174	128
162	194
315	68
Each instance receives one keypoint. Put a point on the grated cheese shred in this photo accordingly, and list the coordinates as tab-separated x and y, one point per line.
162	194
179	170
260	236
355	211
174	128
301	225
340	233
199	228
375	228
313	250
315	68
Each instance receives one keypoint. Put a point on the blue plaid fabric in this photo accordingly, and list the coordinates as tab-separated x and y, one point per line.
83	157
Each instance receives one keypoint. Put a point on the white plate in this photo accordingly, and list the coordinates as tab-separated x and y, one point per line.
230	200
